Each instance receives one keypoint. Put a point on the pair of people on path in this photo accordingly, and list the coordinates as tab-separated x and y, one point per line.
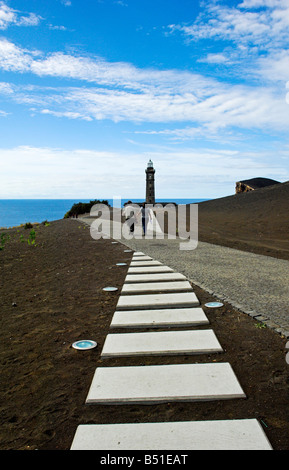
129	213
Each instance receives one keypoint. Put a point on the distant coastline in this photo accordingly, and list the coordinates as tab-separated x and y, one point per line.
14	212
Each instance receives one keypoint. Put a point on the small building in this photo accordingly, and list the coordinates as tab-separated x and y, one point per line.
253	184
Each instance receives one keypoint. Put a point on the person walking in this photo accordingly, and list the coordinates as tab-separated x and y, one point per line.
145	216
129	214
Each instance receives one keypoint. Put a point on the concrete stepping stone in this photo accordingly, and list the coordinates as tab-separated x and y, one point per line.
154	277
159	318
160	343
236	434
138	253
141	258
151	301
149	269
164	383
145	263
142	287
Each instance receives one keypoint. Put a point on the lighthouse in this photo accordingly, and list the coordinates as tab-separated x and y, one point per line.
150	183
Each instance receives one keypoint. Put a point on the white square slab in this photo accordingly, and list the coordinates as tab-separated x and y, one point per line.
141	258
164	383
159	318
238	434
145	263
149	269
154	277
142	287
147	301
160	343
138	253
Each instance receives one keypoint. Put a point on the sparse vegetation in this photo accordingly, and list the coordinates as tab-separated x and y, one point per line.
3	238
260	325
32	237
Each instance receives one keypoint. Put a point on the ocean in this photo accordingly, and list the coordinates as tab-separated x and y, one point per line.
14	212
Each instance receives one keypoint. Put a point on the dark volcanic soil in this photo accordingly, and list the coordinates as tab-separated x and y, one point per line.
256	221
51	295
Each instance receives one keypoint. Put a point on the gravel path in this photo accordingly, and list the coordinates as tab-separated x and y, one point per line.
255	284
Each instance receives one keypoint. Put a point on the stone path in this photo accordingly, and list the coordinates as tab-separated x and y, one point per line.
142	288
192	435
256	285
157	277
164	383
159	343
159	318
157	300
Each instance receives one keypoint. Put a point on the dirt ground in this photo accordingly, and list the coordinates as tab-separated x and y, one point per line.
255	221
51	296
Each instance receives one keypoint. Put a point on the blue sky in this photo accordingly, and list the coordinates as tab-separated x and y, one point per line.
90	90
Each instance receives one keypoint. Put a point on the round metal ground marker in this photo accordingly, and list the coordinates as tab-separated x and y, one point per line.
120	264
109	289
84	344
214	304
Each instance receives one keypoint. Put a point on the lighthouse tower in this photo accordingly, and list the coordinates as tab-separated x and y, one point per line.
150	183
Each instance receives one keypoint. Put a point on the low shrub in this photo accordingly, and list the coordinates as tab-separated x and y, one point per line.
83	208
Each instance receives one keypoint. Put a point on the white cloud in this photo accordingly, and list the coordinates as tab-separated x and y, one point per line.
6	88
218	58
67	114
274	67
31	20
263	3
13	58
99	71
9	16
35	172
209	111
59	28
261	23
122	92
242	107
254	35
